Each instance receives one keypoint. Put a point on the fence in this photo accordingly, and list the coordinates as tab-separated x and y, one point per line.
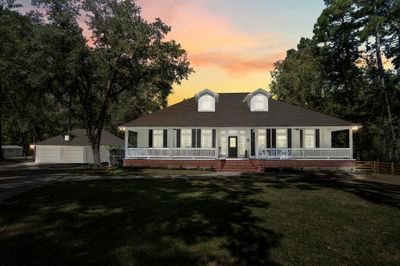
378	167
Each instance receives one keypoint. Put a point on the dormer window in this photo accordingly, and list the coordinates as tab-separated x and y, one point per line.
258	100
206	101
259	103
67	137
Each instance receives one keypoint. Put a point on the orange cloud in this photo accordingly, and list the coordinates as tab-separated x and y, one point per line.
234	63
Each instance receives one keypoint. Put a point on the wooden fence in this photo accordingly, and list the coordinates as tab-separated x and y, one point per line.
378	167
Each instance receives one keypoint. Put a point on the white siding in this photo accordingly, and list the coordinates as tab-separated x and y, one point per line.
68	154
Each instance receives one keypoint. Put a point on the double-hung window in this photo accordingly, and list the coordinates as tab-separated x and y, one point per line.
158	141
309	138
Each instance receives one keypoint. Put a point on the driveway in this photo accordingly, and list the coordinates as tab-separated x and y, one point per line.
16	178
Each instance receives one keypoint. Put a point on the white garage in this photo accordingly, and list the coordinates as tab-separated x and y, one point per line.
74	147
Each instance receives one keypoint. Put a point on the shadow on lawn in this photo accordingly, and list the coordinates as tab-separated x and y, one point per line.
380	193
146	222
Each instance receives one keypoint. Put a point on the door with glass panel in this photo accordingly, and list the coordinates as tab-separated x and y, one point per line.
232	147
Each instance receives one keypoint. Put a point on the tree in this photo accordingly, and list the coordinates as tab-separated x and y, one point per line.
129	56
298	78
344	62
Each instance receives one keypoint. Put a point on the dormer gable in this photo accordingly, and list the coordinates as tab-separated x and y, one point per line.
206	100
258	100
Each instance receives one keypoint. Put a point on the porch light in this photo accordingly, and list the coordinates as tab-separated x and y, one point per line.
121	128
32	146
355	128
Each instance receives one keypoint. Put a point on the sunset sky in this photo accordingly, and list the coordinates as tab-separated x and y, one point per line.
232	44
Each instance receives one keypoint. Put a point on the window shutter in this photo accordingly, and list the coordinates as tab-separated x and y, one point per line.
193	138
268	138
214	137
273	131
253	143
301	138
289	137
198	138
165	138
150	138
178	138
317	138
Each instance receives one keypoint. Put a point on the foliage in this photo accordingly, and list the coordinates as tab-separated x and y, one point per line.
341	72
126	68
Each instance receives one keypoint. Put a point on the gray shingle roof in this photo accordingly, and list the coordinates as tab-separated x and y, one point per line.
79	138
231	111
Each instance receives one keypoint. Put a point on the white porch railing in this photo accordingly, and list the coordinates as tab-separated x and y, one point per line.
300	153
171	153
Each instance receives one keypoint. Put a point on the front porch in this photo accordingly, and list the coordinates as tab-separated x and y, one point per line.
246	143
263	153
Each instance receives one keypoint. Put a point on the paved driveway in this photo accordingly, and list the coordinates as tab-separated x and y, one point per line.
16	178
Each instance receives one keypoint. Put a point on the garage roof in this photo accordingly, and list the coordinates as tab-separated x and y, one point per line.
79	138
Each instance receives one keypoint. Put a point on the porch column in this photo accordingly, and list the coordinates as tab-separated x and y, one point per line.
303	140
351	142
256	142
217	136
126	142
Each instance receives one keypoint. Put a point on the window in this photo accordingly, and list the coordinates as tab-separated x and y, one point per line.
281	139
259	102
206	138
242	145
261	141
158	141
309	138
186	138
223	145
206	103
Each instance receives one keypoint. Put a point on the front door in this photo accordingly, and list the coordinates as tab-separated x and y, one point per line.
232	147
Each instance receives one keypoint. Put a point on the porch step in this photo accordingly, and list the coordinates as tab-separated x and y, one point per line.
243	166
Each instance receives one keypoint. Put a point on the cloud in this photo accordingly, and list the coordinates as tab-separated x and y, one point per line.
214	40
235	63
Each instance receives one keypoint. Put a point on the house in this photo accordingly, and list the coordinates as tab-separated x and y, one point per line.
237	132
11	151
74	147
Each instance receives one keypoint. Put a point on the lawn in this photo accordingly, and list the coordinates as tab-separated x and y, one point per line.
277	218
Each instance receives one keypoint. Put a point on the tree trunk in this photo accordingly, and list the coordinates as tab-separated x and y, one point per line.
94	136
381	81
96	155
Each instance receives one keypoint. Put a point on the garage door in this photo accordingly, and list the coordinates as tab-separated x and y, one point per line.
48	154
72	155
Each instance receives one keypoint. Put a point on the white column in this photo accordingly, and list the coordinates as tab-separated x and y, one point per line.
256	141
351	142
217	135
126	142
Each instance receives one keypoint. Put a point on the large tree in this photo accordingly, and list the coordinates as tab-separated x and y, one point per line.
344	64
129	56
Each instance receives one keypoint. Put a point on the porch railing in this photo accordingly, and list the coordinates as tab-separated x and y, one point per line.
300	153
190	153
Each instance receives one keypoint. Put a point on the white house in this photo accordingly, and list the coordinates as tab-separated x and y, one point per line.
237	131
74	147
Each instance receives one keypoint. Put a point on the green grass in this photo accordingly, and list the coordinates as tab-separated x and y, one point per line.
281	218
145	172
